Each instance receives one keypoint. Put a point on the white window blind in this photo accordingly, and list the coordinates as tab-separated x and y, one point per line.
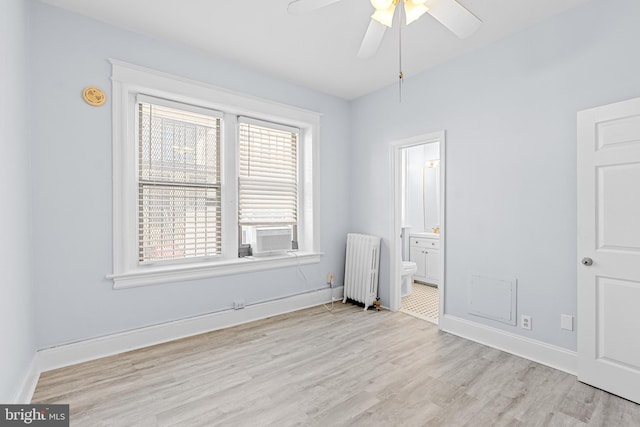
268	174
178	181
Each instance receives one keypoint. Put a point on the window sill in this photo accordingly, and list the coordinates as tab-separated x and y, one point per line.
151	275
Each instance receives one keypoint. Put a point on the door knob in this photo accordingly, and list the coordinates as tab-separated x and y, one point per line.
587	261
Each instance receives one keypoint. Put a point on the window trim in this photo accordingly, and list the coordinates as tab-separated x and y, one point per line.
128	80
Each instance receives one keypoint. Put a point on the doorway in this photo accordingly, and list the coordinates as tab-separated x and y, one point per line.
398	216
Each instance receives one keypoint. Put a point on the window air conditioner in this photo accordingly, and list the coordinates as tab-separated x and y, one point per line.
272	240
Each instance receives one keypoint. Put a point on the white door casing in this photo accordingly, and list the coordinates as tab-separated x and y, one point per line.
608	173
395	215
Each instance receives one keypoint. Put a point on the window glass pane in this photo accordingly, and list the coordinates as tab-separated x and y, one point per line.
268	176
178	146
178	184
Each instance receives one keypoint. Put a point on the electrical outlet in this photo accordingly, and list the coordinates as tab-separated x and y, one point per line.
525	322
330	279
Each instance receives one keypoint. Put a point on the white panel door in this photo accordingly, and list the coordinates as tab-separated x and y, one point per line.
609	248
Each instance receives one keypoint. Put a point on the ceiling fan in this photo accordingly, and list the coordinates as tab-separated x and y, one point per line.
449	13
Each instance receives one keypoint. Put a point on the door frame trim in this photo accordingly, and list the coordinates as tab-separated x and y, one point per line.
395	214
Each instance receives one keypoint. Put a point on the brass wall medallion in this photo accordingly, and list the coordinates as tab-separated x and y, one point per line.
94	96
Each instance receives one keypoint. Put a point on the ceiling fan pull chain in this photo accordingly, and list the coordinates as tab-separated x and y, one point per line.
400	74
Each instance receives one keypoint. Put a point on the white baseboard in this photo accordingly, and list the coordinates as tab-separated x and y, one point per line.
537	351
83	351
28	386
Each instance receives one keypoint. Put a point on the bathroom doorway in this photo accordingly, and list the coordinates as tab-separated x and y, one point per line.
417	223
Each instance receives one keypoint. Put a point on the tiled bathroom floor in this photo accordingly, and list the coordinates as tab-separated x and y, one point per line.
422	303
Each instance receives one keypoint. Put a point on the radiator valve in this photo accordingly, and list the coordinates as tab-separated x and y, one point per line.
376	303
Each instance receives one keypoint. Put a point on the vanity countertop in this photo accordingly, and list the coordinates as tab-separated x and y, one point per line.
425	234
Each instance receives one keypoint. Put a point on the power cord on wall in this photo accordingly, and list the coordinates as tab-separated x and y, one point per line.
306	281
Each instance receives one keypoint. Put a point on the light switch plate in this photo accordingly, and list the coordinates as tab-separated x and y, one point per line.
566	322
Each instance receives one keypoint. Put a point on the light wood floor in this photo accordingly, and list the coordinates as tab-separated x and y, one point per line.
320	368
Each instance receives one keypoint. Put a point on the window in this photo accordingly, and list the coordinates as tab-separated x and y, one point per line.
178	182
268	177
196	169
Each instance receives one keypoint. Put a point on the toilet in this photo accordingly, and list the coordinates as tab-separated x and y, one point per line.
408	269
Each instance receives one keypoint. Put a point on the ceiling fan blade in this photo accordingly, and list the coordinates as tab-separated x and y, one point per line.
300	7
372	39
454	16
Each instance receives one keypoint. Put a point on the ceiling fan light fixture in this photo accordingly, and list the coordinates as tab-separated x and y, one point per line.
414	9
385	16
381	4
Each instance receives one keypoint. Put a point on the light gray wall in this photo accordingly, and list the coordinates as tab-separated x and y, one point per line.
16	310
509	111
72	168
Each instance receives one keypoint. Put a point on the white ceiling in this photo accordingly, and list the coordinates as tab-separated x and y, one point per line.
317	50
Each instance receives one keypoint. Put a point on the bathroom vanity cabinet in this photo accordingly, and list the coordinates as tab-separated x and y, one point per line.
425	252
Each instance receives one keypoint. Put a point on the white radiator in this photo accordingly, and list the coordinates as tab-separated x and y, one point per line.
361	268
